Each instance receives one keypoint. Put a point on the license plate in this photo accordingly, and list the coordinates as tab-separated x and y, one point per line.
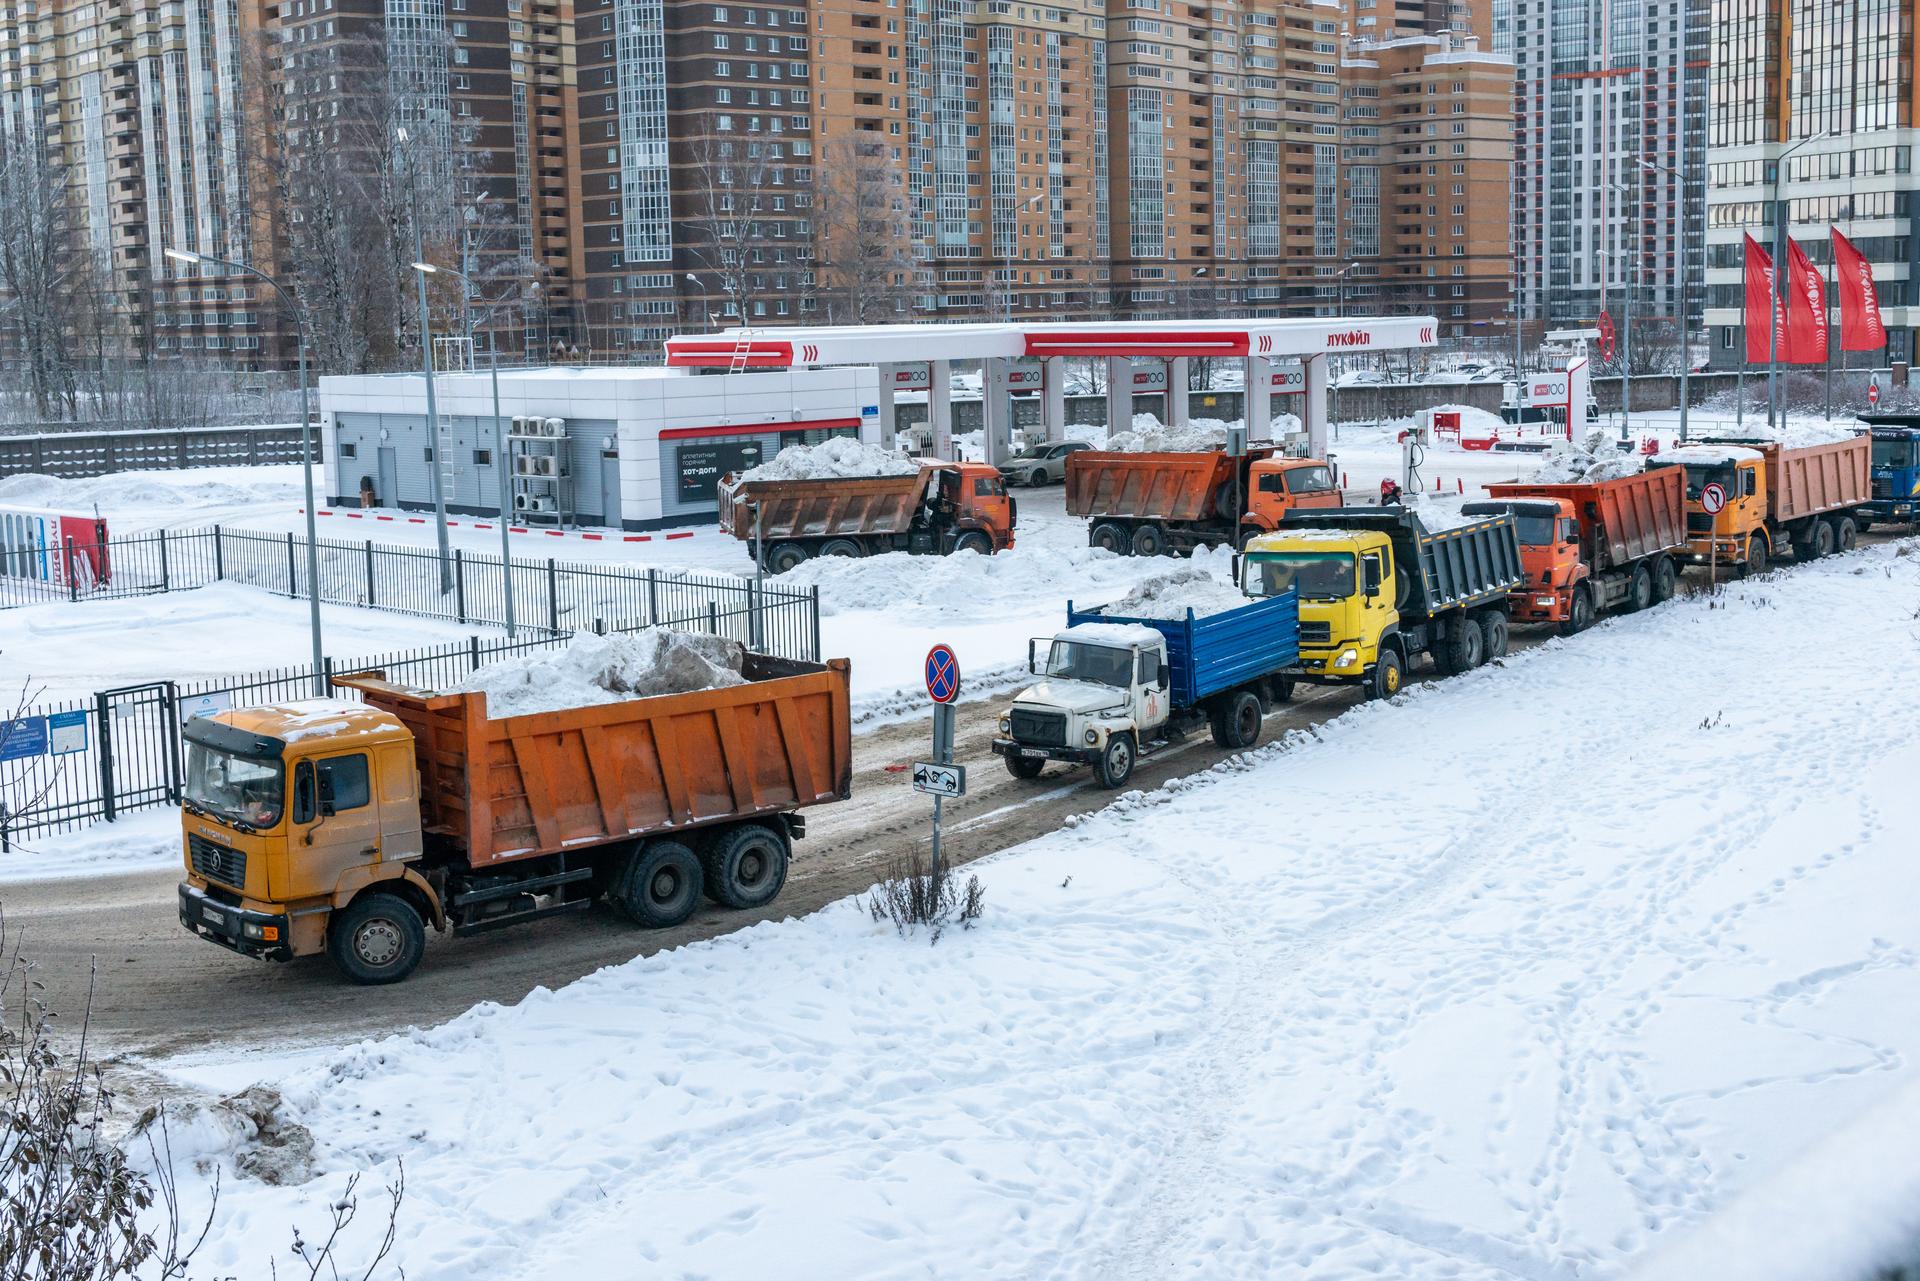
212	917
1033	752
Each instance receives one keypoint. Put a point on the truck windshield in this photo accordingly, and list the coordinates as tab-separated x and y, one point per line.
237	788
1101	664
1894	453
1534	531
1317	575
1700	475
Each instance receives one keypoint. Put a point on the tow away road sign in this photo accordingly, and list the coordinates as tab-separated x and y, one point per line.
1713	498
943	674
939	780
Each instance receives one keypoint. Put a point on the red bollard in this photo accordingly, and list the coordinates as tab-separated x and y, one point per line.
1460	485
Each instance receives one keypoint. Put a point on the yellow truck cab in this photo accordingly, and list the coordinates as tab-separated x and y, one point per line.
289	812
1378	589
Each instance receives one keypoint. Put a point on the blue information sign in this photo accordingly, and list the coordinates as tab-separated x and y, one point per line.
24	739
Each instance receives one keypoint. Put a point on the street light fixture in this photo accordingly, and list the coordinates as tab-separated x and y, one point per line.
1686	334
1340	278
499	440
306	446
1776	301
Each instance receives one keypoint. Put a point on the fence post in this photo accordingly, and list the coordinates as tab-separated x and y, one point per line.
165	585
653	597
553	596
369	571
473	653
292	585
73	583
713	617
459	586
103	717
219	556
815	604
326	668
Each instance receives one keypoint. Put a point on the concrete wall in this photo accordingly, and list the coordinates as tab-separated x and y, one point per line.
74	455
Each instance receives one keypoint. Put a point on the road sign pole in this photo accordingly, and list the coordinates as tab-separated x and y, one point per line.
942	754
943	686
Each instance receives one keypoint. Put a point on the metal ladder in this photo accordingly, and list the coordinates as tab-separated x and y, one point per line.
742	352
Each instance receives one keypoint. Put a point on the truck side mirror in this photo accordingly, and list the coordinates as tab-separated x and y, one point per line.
326	795
1161	679
1373	577
1030	648
1749	486
304	807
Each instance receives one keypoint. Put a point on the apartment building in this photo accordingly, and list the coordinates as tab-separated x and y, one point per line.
1833	82
1602	86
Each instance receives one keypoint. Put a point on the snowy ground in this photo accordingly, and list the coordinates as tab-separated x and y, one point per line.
63	650
1512	977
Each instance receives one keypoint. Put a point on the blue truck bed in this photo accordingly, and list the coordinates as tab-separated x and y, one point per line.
1219	651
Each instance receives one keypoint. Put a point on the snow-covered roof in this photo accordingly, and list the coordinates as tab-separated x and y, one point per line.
1292	534
1708	455
1124	634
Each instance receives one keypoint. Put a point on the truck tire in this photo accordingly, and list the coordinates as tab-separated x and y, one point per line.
1115	765
1387	675
1666	580
1149	540
659	886
1466	648
786	556
1110	537
377	938
1817	543
1236	721
973	541
1756	561
1862	525
1024	768
1494	635
1283	687
1639	591
1579	613
842	547
745	866
1846	535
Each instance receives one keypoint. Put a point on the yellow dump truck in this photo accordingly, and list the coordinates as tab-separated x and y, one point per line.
342	827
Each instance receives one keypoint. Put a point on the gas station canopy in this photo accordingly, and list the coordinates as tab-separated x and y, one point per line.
785	347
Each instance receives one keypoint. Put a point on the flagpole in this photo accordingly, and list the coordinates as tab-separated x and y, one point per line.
1833	288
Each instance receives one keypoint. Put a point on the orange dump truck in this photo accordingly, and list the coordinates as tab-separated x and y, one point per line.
328	825
1595	546
1748	501
939	509
1157	504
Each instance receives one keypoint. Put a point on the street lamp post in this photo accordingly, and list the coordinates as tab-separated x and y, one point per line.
1777	301
435	473
1629	276
1340	278
499	441
306	448
1686	334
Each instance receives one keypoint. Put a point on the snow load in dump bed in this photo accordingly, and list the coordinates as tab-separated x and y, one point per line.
594	670
841	458
1169	597
1708	455
1120	634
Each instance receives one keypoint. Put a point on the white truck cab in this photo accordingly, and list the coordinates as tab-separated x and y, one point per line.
1104	693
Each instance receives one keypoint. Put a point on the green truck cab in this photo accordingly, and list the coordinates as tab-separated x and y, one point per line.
1378	590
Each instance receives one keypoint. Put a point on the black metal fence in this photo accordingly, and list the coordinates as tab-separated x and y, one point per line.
69	763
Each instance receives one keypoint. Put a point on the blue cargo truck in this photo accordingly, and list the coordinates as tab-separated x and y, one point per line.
1113	686
1896	470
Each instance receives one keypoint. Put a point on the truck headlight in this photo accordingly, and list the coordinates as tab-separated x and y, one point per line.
1545	602
1348	657
1006	724
265	933
1093	736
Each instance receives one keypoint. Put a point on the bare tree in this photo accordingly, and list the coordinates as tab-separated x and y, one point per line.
733	234
861	231
42	265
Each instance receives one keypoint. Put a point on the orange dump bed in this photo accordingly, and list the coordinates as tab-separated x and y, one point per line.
817	508
1155	486
1818	478
1621	520
500	790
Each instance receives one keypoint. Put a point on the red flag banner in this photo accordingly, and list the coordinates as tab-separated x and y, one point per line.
1807	320
1760	299
1861	328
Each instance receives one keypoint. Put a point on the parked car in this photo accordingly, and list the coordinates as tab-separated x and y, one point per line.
1041	463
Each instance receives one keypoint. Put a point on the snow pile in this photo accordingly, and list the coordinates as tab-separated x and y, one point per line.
1474	422
1591	462
1439	512
1802	433
155	492
1171	595
1150	437
841	458
1187	1036
607	669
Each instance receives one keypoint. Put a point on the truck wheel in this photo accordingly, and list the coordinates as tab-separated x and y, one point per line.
1386	676
1846	535
745	866
1639	591
1109	537
785	556
1149	540
1579	614
1236	721
1466	648
1818	542
1666	579
659	886
1493	635
1756	562
1861	525
1115	765
1283	687
1038	478
377	938
1023	767
973	541
842	547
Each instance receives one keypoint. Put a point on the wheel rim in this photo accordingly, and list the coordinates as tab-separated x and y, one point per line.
1393	679
664	885
1249	722
754	868
378	942
1121	757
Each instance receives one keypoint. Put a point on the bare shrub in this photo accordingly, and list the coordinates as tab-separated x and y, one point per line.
914	896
